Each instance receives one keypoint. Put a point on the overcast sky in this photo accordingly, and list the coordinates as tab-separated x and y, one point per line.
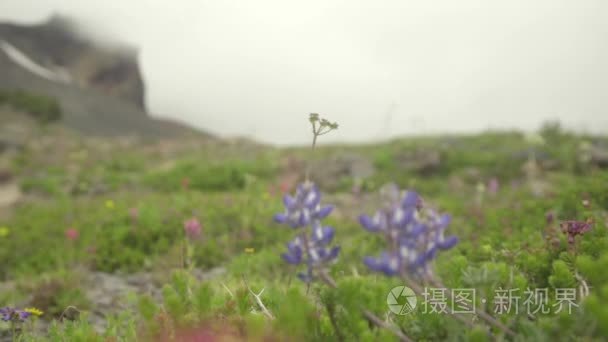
379	68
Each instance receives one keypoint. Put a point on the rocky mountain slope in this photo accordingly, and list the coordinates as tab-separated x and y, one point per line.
99	88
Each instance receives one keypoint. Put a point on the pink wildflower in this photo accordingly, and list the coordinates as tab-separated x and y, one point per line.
134	214
493	186
72	234
285	187
192	227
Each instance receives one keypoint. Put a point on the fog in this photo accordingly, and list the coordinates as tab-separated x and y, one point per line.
379	68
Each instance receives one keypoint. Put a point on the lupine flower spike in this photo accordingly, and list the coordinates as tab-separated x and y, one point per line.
312	248
8	314
414	232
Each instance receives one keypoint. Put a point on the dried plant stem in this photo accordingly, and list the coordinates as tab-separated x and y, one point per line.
258	299
227	290
382	324
331	312
583	288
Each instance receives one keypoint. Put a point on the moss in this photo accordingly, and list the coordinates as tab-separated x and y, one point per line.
43	108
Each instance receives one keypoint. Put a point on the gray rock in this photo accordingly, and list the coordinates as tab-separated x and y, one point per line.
422	161
599	156
14	131
328	173
10	193
208	274
107	292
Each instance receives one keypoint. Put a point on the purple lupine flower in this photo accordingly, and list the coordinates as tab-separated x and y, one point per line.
5	314
389	264
414	233
294	252
8	314
312	247
304	207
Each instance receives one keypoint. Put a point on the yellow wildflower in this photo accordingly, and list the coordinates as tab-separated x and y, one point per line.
4	231
110	204
249	250
34	311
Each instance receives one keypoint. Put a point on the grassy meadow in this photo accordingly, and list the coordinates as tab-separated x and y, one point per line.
125	240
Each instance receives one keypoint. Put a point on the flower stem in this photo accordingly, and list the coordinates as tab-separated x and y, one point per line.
315	135
322	128
368	314
307	251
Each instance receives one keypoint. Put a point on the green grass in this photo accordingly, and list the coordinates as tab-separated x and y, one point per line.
505	241
42	108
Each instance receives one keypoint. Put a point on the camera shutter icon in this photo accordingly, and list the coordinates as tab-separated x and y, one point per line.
401	300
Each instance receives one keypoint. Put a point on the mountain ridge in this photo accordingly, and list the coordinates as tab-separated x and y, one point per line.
99	88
